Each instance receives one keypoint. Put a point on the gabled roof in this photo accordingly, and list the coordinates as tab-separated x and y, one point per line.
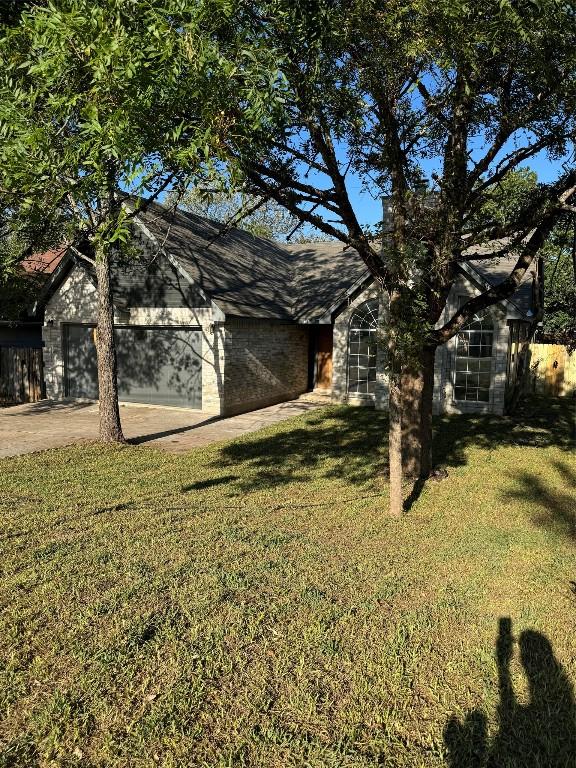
251	277
33	274
322	274
326	272
43	264
244	275
494	271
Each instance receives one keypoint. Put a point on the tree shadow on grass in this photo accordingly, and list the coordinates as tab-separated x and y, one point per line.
336	442
538	423
351	443
211	482
540	734
557	507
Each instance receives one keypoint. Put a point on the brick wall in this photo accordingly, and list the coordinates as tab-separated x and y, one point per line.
266	363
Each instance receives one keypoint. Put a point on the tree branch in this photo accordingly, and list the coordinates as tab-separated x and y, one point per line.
509	162
507	287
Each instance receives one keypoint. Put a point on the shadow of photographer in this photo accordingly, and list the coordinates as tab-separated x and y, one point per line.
540	734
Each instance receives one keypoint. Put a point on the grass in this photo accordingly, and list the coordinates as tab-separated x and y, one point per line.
251	604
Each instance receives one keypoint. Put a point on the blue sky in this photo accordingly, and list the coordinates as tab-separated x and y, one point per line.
368	207
369	210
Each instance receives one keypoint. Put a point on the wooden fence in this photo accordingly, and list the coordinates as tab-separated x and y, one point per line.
551	370
21	375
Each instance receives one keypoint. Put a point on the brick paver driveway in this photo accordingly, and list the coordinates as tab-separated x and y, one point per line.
50	424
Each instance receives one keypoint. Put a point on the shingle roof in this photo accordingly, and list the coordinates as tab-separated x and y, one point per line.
249	276
496	272
43	263
245	275
323	272
493	271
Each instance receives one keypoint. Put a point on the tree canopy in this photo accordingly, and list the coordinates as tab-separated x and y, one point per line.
444	97
558	253
129	96
560	285
113	102
446	94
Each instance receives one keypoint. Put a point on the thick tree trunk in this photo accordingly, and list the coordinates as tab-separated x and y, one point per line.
428	355
412	387
394	413
110	427
417	395
395	444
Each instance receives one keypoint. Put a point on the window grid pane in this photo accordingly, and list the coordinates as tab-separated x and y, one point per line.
362	349
473	361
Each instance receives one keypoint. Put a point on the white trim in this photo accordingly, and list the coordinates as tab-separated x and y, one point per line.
513	312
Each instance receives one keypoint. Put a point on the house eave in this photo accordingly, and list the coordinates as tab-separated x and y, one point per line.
328	313
513	312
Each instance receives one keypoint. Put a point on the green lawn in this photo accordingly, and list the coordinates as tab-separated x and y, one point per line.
252	604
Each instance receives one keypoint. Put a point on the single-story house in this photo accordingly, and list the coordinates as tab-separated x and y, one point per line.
225	322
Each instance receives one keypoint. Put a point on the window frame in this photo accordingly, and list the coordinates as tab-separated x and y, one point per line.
487	319
371	310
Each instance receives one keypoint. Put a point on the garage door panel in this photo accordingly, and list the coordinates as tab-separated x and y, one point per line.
161	366
81	364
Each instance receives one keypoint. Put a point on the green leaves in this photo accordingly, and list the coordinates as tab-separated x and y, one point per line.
91	91
560	284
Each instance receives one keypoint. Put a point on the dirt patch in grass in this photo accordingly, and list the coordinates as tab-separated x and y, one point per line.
250	604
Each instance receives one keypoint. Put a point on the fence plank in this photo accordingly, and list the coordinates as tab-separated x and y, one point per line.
552	370
21	375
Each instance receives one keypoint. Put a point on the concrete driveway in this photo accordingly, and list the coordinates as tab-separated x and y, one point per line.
51	424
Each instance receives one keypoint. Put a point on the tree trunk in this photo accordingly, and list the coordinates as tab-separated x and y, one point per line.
394	413
110	427
412	387
395	444
417	395
428	355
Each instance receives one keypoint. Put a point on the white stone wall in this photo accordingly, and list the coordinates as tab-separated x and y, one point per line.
76	302
266	363
444	401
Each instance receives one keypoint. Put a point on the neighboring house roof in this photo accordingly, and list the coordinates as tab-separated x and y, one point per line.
21	292
251	277
40	264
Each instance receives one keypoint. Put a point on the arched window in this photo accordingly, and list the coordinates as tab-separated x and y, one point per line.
362	349
474	361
